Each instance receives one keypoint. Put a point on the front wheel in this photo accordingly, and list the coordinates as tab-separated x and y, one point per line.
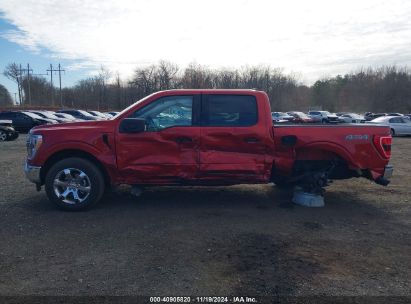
74	184
392	132
3	135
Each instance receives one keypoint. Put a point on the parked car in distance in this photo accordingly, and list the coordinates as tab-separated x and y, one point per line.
281	116
300	117
7	132
49	115
112	113
395	114
341	113
370	116
24	121
80	114
399	125
38	117
98	114
66	116
323	116
351	118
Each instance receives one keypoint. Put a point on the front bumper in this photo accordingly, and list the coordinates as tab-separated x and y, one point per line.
32	173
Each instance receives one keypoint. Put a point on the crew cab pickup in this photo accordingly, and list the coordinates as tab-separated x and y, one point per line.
199	137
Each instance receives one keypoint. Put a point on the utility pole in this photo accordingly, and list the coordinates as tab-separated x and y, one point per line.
61	97
28	82
20	86
59	70
51	84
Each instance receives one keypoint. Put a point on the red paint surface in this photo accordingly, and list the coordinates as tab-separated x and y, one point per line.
216	155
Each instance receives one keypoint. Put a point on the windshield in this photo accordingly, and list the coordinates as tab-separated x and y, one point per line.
32	115
85	113
302	115
99	114
47	114
131	106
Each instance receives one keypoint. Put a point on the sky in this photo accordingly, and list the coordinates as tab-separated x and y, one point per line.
309	39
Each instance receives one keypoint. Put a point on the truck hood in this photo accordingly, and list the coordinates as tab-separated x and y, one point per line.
106	126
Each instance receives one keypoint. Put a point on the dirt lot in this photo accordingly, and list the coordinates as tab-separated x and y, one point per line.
242	240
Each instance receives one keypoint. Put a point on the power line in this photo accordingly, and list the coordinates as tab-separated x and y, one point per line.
51	83
59	70
61	98
28	71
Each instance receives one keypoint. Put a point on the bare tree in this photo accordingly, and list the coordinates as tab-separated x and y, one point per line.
103	77
5	98
166	73
12	72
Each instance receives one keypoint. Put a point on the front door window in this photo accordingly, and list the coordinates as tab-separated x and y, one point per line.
166	112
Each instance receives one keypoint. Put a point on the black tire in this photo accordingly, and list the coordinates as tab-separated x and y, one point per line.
324	121
282	184
13	137
3	135
95	183
392	132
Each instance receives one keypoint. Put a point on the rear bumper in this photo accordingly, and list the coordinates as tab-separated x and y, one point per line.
32	173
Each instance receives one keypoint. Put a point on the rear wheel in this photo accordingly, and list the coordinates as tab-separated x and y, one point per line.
282	183
74	184
392	132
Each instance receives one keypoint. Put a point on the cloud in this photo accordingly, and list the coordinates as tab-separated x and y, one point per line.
21	38
315	37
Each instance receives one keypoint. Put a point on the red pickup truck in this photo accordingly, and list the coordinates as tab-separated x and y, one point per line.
199	137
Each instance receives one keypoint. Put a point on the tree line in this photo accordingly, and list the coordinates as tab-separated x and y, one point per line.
384	89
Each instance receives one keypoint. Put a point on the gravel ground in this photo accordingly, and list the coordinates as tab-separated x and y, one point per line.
246	240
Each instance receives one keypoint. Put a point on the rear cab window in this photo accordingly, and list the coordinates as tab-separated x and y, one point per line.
229	110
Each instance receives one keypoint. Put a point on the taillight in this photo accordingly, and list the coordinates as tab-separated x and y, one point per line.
383	145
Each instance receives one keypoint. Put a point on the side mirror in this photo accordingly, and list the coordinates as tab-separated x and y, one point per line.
132	125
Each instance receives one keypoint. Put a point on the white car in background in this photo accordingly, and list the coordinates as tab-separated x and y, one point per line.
351	118
323	116
281	116
400	125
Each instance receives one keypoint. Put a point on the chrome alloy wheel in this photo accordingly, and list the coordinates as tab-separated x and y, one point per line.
72	186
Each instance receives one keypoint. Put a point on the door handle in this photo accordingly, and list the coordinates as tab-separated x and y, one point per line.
183	139
251	140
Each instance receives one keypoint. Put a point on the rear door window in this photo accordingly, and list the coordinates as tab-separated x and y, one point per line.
396	120
229	110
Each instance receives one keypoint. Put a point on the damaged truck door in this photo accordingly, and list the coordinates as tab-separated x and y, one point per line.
232	139
167	151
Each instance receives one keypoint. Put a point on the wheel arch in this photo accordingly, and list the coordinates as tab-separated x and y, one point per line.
66	153
324	149
321	155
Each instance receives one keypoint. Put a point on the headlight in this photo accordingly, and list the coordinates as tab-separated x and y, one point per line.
33	145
